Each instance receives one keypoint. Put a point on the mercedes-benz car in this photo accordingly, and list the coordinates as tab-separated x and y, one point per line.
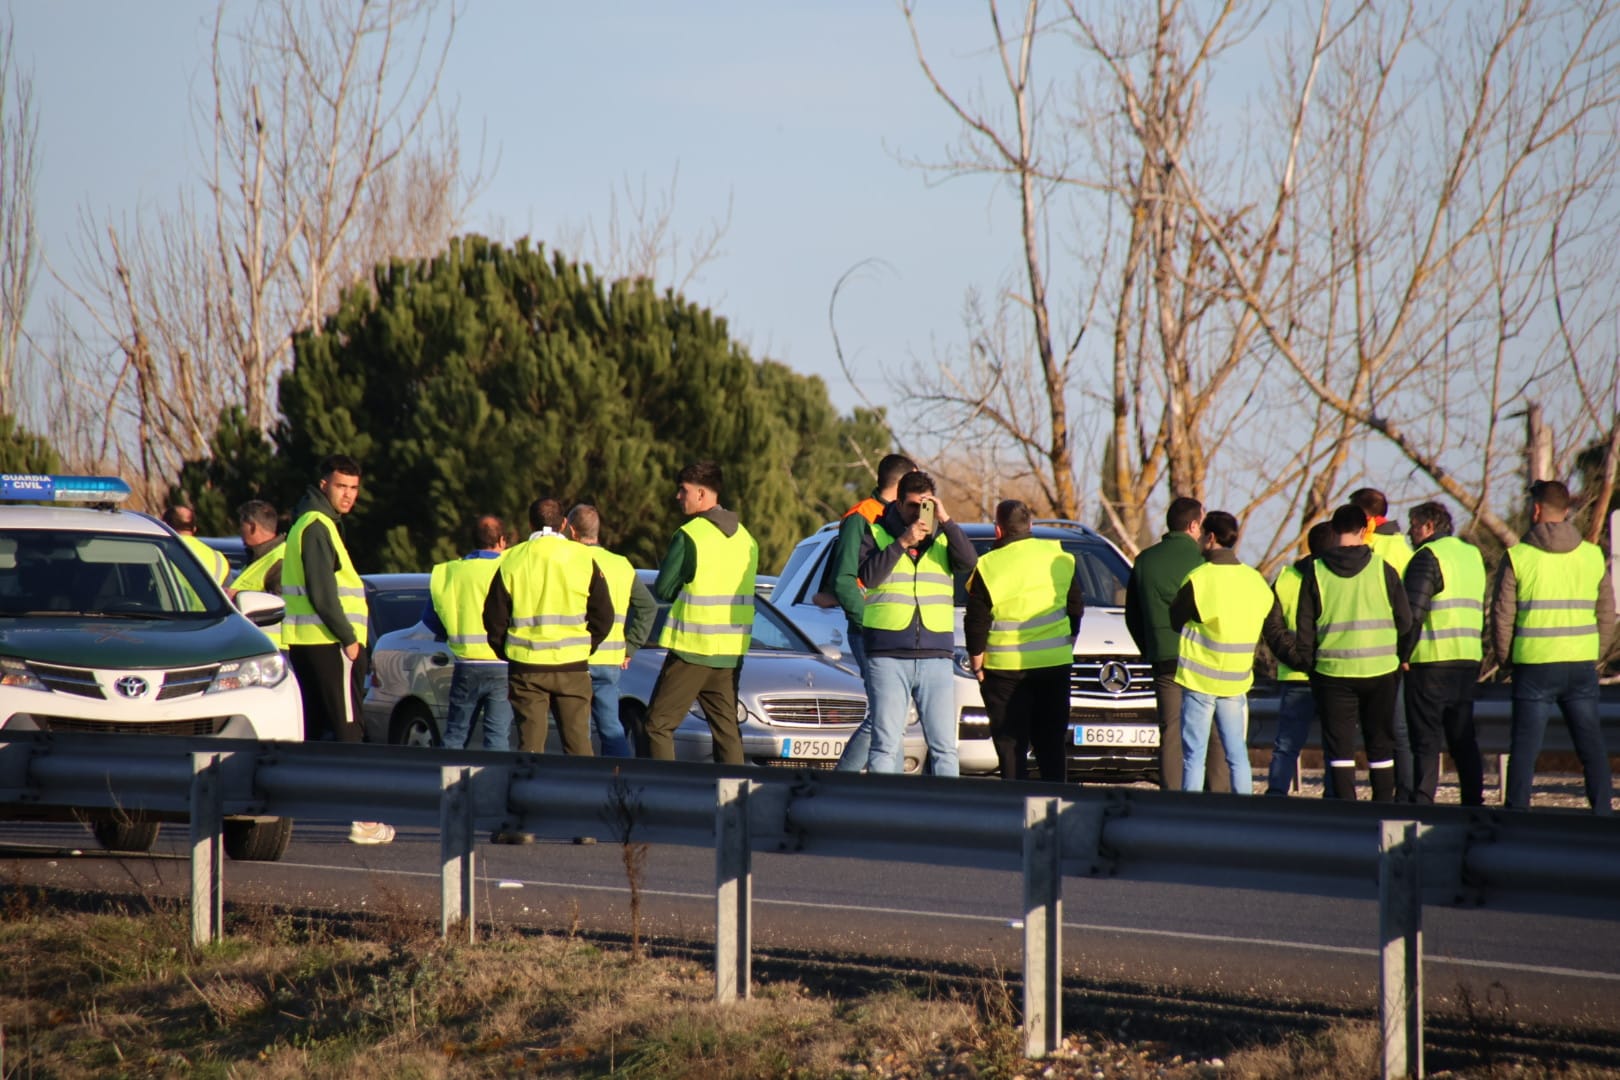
109	624
797	704
1113	727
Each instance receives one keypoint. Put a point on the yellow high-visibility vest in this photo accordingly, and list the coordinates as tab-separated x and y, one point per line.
1287	592
549	578
713	615
1216	653
217	565
1355	630
621	578
1454	627
458	589
303	626
1029	591
255	574
914	585
1555	621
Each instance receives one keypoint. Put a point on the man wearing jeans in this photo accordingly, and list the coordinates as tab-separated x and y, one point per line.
455	612
1296	708
910	622
1552	619
634	610
1221	611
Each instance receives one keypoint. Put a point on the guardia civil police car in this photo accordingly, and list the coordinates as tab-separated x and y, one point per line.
109	624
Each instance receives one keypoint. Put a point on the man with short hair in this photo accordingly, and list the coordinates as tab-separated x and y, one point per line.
325	628
266	548
547	609
1296	709
1552	620
1221	611
455	614
1351	617
910	624
1445	586
183	520
1024	605
707	577
841	586
634	610
1386	541
1155	579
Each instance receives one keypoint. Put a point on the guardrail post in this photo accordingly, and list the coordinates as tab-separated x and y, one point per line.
1043	926
207	850
733	892
1400	931
456	854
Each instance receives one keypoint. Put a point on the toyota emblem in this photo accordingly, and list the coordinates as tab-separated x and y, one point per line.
1115	677
131	686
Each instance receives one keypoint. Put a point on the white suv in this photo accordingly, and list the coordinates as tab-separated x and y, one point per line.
109	624
1113	726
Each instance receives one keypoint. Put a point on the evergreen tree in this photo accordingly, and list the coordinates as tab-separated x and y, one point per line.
21	451
241	466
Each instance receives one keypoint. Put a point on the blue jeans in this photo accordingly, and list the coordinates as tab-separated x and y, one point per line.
1296	712
1574	687
605	711
1232	715
479	688
894	683
859	745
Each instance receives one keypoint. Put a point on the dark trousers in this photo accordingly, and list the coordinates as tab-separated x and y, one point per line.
679	684
1574	687
534	693
1028	710
329	683
1167	695
1440	715
1347	705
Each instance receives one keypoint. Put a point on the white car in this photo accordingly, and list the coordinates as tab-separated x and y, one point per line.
1113	725
109	624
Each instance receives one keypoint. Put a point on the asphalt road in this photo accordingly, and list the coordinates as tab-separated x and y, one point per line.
1221	940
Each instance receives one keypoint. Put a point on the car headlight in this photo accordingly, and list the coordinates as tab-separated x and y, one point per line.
267	670
16	673
959	660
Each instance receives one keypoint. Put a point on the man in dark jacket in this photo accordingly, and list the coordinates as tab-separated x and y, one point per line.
1552	621
1352	615
1155	579
1385	539
910	624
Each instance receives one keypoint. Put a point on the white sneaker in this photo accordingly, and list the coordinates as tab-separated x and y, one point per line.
370	832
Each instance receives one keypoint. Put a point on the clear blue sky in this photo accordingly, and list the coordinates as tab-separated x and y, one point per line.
796	112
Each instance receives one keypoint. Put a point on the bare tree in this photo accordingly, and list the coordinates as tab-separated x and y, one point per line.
19	240
641	238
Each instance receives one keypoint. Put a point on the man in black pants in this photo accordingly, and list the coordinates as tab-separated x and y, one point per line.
1351	618
1024	603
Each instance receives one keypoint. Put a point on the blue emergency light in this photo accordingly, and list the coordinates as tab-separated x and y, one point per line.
28	487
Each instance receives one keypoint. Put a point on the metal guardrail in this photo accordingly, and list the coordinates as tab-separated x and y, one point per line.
1433	854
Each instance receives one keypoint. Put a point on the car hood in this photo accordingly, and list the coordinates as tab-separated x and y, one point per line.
131	643
1102	633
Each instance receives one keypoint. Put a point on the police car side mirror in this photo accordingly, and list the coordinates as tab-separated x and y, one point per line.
261	608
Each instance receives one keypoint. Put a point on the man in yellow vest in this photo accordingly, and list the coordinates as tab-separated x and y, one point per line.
634	610
1385	539
908	559
1296	708
1221	612
455	613
324	631
183	520
257	524
1445	586
1352	614
547	610
1024	605
707	576
1552	620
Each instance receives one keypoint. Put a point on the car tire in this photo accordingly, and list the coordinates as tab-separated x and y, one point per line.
123	834
258	841
413	725
633	715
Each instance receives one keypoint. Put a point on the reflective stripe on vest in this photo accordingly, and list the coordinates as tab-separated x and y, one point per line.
255	574
713	615
1287	593
920	586
549	578
1355	630
1216	653
1556	617
1454	626
303	626
1029	584
459	589
621	578
217	565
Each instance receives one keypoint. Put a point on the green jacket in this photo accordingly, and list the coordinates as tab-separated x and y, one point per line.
1155	579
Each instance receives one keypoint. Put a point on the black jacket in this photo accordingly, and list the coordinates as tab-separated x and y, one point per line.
976	616
1274	631
498	620
1345	562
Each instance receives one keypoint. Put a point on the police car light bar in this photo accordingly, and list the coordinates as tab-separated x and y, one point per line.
28	487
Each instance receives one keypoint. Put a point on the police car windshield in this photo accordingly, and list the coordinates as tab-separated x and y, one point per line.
116	575
1103	572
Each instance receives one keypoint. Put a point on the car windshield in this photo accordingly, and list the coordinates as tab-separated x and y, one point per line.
773	633
394	606
51	572
1103	571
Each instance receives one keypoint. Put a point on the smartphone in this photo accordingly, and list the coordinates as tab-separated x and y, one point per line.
927	516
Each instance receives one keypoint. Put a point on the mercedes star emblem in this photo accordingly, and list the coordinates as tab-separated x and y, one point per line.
1115	677
131	686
